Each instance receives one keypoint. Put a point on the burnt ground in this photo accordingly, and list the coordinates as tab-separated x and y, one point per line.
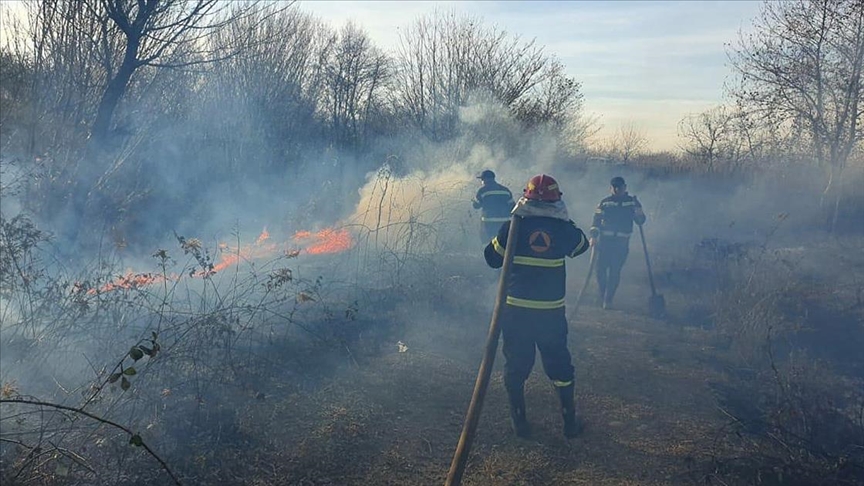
647	391
664	402
395	419
642	389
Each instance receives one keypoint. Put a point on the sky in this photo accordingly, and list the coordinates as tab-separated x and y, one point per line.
647	64
643	63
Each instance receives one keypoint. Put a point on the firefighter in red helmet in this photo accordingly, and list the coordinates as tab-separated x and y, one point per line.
533	317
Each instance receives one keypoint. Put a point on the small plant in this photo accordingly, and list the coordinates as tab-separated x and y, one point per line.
137	352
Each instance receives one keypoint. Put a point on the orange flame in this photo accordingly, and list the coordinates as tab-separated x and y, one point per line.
231	256
131	281
264	236
329	240
227	260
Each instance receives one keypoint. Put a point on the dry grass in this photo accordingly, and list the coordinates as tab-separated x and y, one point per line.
665	403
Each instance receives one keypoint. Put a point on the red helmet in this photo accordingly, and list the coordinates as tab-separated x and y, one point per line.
542	188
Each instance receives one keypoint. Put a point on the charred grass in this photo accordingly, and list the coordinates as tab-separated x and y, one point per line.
753	380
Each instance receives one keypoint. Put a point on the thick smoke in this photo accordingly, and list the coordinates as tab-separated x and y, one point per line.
413	273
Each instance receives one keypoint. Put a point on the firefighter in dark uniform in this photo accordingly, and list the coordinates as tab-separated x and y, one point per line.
610	231
533	317
495	202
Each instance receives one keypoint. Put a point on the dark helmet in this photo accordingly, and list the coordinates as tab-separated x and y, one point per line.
486	175
617	182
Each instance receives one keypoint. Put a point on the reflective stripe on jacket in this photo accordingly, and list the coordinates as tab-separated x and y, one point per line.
615	216
538	275
495	201
489	219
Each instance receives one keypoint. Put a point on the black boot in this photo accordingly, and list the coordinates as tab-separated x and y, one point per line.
572	423
611	289
607	303
517	412
602	285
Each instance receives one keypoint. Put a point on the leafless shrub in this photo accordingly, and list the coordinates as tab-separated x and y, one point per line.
794	422
794	419
167	338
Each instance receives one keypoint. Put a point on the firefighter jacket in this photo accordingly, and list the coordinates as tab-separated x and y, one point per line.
496	202
615	216
537	278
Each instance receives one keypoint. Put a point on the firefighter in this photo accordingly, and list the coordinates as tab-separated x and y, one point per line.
495	202
533	317
610	231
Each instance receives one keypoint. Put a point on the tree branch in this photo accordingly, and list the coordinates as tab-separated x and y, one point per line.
100	420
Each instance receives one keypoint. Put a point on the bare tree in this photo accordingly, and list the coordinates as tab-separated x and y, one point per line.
443	59
628	142
260	108
355	75
15	97
67	52
85	57
159	33
803	63
579	128
707	134
432	79
552	101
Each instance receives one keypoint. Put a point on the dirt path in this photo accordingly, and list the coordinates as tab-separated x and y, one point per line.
396	419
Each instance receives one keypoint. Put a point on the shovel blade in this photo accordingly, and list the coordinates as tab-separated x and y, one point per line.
657	306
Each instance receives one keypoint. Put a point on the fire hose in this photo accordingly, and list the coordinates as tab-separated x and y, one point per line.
472	417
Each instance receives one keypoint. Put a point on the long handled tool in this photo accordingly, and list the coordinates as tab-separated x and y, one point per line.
656	303
587	279
472	417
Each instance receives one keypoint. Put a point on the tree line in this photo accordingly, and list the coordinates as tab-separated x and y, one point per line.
100	95
95	91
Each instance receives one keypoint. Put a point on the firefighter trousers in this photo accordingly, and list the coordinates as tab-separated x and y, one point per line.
489	230
611	254
526	330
